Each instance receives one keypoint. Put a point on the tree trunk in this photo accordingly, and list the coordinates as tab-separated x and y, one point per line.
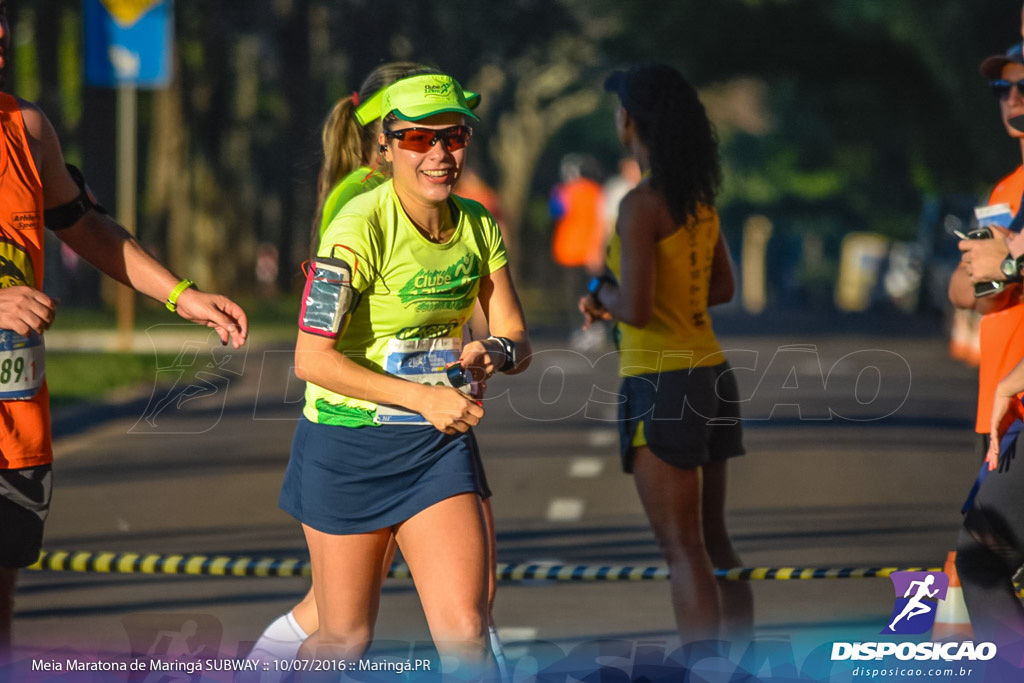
544	101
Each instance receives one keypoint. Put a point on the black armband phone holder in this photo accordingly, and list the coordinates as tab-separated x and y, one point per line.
328	298
66	215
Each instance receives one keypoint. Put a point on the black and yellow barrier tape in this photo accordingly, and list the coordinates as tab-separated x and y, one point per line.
797	573
243	565
135	563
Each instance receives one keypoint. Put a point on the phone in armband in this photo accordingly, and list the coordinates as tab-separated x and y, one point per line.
328	298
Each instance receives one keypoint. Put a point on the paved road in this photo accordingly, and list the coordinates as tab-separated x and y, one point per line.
860	452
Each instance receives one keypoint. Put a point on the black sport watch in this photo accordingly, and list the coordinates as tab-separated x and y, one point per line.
508	347
1010	268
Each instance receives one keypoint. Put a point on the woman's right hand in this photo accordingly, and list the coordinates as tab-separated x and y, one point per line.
448	409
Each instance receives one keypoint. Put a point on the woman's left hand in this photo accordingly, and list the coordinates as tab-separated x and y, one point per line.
592	311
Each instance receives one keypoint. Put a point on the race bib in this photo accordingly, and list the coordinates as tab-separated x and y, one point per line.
22	365
422	361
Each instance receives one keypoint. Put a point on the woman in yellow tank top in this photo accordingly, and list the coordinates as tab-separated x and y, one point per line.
679	423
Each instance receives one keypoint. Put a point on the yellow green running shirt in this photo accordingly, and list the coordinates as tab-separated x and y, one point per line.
361	180
412	290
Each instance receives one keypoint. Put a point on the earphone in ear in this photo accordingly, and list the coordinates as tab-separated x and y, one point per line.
383	148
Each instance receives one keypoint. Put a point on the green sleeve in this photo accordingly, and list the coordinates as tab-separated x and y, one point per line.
353	239
361	180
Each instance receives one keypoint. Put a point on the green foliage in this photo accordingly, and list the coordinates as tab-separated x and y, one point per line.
868	106
273	318
26	69
874	104
70	69
76	376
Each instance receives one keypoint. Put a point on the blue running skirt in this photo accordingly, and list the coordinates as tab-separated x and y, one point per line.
352	480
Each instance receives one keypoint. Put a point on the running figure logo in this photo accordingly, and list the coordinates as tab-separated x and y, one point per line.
917	596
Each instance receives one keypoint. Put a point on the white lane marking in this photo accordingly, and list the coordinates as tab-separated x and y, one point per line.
513	633
565	510
602	438
586	468
516	640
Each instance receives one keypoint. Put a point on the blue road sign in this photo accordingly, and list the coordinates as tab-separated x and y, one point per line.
128	42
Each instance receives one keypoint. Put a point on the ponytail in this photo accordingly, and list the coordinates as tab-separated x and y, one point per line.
345	143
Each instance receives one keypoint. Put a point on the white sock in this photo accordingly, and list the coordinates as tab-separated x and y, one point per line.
499	653
280	640
296	629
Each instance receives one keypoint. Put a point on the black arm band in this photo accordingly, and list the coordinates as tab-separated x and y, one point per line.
66	215
508	348
597	282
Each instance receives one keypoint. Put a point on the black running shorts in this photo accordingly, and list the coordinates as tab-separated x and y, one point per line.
24	504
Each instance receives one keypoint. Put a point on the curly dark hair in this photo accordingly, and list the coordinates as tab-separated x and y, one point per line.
673	125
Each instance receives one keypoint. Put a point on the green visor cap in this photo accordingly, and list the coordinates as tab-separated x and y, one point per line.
418	97
370	109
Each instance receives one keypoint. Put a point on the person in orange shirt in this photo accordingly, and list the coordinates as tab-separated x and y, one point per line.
577	204
37	189
989	546
988	260
578	243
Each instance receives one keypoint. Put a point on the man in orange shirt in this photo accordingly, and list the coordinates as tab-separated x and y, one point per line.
989	548
37	189
988	260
